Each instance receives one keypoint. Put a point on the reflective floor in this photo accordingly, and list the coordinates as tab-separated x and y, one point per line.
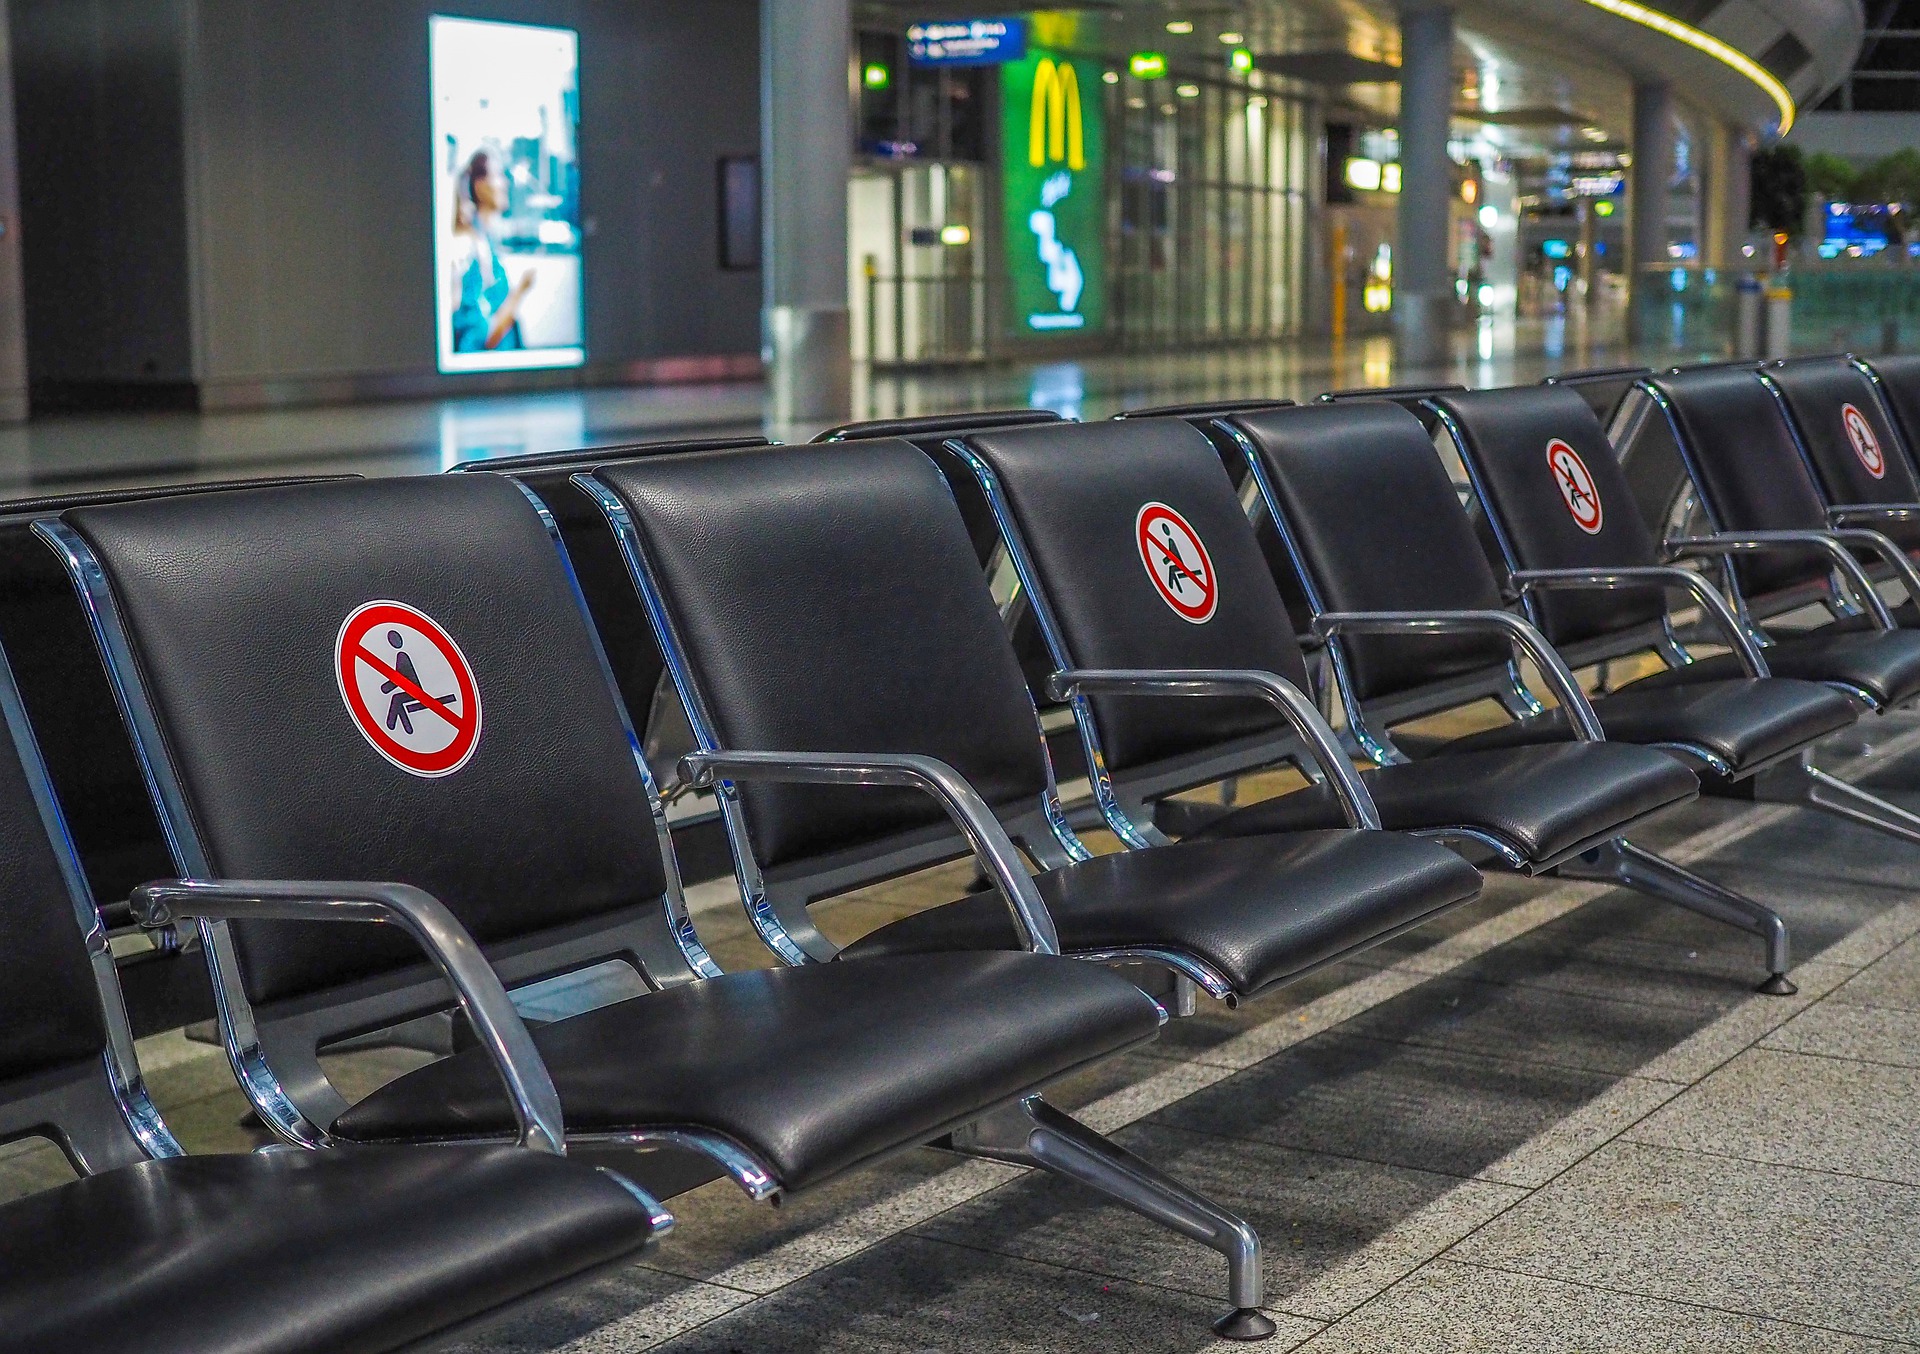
428	436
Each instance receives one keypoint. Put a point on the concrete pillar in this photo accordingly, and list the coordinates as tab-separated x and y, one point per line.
1423	296
1647	192
806	155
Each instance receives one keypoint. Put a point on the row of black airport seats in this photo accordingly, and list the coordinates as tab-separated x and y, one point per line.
411	702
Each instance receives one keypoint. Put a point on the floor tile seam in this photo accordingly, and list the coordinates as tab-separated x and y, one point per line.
692	1282
1645	1144
1693	1303
1609	1138
1092	1273
1331	1155
1834	1057
1522	1061
1521	1195
1532	983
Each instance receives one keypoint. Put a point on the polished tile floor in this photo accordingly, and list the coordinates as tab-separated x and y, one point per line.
428	436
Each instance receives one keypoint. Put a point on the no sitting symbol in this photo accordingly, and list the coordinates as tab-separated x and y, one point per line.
409	689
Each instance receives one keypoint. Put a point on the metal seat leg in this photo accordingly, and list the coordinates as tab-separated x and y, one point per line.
1801	782
1034	1133
1621	862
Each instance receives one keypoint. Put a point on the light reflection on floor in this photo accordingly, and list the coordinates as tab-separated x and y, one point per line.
429	436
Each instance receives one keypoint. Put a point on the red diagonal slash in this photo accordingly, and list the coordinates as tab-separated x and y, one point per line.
412	689
1178	563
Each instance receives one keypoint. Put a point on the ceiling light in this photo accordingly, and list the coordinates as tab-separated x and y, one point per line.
1179	26
1233	39
1111	77
1188	91
1646	17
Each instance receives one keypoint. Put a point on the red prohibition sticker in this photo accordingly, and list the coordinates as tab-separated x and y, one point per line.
1176	561
1865	445
408	687
1576	486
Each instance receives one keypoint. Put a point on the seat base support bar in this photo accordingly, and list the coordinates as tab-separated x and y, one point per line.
1621	862
1031	1132
1801	782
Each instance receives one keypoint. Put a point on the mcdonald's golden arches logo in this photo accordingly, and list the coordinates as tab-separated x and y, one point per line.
1054	133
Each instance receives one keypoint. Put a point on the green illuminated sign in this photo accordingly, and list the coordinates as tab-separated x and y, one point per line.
1054	163
877	76
1147	65
1240	59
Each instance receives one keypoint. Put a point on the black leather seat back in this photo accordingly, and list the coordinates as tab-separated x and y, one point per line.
1374	524
920	427
1413	399
82	740
1602	388
49	1007
1086	499
828	600
1556	499
235	606
1853	447
1900	384
1741	455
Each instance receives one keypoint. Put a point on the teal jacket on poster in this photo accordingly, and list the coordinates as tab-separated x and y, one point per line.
483	290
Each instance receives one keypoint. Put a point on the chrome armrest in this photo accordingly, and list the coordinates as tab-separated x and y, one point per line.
536	1105
991	845
1884	512
1519	633
1667	575
1776	542
1879	543
1281	694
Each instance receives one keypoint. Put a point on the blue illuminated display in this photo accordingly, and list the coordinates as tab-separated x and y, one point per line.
967	42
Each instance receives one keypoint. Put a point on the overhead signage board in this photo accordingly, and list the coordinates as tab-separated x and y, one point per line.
967	42
1053	161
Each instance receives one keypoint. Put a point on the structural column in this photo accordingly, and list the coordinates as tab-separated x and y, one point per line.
806	154
1647	193
1423	297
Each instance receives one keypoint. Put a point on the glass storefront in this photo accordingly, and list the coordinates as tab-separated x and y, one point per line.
1213	207
1096	208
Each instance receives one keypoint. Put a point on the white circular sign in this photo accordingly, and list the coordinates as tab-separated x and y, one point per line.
1177	562
1575	482
408	688
1865	445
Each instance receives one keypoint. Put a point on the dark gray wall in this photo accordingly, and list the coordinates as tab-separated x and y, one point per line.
283	248
102	191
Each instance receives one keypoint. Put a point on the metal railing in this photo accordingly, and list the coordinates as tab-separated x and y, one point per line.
1838	305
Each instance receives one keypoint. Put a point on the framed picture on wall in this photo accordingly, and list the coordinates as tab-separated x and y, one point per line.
506	195
739	185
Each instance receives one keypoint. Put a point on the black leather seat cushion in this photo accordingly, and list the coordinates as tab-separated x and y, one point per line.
1883	663
355	1251
1744	723
1259	910
815	1069
1542	801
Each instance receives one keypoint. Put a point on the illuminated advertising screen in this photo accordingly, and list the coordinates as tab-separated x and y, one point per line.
1054	172
506	195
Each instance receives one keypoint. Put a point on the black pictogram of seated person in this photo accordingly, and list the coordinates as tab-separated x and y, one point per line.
402	708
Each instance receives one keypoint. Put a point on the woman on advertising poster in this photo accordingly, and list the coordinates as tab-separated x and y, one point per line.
486	306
